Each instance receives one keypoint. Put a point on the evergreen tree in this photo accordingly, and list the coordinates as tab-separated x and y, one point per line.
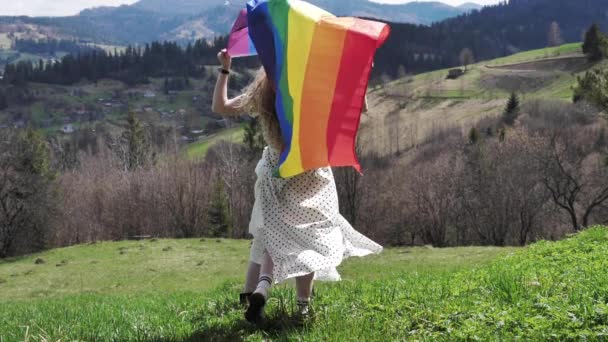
473	136
511	112
166	86
138	150
596	44
254	139
219	218
593	87
3	100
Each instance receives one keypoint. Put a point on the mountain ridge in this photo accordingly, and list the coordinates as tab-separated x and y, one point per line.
187	20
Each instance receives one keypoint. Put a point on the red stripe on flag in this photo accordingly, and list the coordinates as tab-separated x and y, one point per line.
360	45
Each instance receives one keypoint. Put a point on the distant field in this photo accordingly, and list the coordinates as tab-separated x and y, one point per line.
199	149
187	290
5	42
567	49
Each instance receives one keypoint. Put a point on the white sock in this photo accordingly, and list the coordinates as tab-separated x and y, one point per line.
304	300
264	285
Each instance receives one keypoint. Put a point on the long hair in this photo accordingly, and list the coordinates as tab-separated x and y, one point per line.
259	100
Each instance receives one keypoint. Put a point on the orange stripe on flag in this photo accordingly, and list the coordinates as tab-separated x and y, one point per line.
319	88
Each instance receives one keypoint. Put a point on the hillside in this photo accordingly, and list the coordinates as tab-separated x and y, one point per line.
405	111
186	290
421	104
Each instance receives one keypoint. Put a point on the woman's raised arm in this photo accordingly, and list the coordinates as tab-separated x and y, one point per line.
221	103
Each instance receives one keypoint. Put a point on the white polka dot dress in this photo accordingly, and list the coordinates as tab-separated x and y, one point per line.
297	220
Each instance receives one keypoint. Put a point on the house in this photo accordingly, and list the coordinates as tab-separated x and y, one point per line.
455	73
149	94
68	128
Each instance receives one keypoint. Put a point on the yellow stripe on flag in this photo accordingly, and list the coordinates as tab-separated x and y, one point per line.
303	18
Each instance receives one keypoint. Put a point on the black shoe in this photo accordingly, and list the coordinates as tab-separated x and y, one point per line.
255	311
244	297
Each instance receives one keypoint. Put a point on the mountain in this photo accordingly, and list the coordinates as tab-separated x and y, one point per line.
186	20
413	12
469	6
179	7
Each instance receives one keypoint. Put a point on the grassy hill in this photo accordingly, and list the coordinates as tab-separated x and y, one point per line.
186	290
430	101
421	104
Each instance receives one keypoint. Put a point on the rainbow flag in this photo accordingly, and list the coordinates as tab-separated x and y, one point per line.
239	43
320	65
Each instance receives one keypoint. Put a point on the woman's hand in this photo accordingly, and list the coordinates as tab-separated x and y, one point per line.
221	103
225	59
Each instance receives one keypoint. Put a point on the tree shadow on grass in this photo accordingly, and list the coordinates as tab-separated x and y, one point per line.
273	328
223	320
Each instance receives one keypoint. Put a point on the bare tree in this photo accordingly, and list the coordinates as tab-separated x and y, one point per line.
466	58
348	184
554	36
576	175
185	194
432	198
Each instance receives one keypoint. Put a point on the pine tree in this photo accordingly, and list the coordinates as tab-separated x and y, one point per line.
511	111
596	44
593	87
166	86
3	100
254	139
473	136
219	219
138	149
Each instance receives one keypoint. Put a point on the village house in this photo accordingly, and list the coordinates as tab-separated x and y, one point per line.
455	73
68	129
149	94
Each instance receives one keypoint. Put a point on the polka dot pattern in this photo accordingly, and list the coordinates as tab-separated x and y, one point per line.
298	221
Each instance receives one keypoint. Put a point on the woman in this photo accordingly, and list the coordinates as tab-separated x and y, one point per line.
297	228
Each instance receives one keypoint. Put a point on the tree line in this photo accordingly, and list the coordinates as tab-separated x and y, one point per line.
133	65
52	46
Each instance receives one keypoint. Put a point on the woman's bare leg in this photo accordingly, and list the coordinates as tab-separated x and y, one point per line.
304	286
304	291
253	275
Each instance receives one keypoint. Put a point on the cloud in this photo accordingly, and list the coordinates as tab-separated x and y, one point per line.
53	7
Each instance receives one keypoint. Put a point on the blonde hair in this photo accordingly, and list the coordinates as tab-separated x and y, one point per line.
258	99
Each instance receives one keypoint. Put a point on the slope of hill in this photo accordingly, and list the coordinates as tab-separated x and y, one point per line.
186	290
422	104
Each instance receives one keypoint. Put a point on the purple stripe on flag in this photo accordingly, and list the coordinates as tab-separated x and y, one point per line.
239	42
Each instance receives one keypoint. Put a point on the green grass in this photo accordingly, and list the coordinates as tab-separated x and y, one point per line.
549	291
527	56
198	150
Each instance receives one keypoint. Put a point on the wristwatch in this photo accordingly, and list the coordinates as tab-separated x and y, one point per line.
224	71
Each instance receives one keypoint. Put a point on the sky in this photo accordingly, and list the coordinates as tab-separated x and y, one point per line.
71	7
36	8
